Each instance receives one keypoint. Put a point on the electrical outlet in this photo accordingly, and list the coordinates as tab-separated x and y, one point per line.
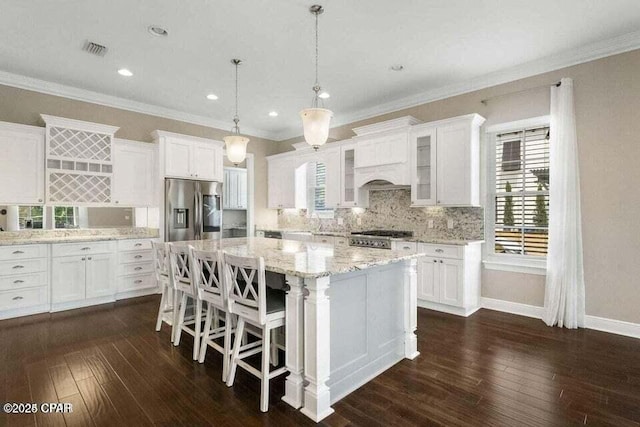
340	221
359	221
449	223
430	223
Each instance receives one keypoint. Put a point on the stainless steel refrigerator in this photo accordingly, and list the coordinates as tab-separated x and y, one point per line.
193	210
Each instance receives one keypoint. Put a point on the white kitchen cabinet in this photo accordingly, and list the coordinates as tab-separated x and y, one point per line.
330	156
24	280
135	268
100	277
350	195
21	164
235	189
134	173
281	184
448	277
423	166
445	162
190	157
82	274
68	278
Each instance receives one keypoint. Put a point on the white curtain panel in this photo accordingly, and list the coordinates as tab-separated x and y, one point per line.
564	293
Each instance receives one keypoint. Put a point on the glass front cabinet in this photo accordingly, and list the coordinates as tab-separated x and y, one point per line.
350	196
423	165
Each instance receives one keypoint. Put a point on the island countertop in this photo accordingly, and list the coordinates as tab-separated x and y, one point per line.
304	259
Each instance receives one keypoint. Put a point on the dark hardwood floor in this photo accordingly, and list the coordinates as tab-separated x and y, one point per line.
490	369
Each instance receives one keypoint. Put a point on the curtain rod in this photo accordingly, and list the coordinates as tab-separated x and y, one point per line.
485	100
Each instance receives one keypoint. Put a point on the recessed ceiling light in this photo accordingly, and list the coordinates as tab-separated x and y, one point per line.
324	95
125	72
273	114
212	96
397	67
158	31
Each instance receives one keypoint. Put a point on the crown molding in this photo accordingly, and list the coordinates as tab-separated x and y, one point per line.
613	46
65	122
70	92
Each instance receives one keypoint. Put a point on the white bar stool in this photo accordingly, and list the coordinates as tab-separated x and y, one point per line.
163	278
254	305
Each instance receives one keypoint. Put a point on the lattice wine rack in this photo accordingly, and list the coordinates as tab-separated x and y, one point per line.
79	161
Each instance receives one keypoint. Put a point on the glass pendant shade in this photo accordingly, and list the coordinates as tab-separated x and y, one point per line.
316	122
236	146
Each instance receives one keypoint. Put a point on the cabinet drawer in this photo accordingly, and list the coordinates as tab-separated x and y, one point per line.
22	281
128	257
410	247
21	298
136	268
131	283
341	242
134	245
22	252
70	249
442	251
23	266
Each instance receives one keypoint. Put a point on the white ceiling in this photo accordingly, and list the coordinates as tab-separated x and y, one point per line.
441	44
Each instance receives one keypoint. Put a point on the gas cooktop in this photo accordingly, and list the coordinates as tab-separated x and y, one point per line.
380	239
395	234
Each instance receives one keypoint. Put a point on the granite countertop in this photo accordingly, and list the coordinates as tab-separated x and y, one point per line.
433	240
303	259
33	237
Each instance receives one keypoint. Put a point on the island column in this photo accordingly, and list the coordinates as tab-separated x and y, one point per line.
294	385
317	354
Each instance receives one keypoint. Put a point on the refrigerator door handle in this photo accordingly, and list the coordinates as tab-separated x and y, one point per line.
198	217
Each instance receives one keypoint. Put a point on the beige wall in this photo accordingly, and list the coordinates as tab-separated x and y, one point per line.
25	107
607	101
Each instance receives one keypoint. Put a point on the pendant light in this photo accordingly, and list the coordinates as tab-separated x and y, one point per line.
316	120
236	144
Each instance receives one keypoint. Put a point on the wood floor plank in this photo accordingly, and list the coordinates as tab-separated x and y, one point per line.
98	403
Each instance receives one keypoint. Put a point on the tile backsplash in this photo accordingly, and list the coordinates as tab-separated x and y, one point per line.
391	209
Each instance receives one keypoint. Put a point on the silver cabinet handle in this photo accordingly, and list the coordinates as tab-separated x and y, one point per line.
435	260
17	267
86	248
40	200
89	258
439	251
138	244
138	268
138	281
406	247
17	252
138	256
18	281
17	298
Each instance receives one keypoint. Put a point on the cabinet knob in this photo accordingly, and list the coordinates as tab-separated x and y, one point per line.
40	200
440	261
117	201
435	260
89	258
84	259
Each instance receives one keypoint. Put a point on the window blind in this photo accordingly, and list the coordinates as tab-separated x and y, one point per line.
522	192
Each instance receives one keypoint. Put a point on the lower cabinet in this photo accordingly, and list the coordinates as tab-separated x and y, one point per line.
82	272
448	277
135	268
24	280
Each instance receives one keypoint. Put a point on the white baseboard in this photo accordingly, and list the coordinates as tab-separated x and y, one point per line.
137	293
449	309
612	326
512	307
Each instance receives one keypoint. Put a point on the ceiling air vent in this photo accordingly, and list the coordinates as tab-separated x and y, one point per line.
95	48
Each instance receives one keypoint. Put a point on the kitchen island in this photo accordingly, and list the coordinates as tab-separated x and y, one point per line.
351	314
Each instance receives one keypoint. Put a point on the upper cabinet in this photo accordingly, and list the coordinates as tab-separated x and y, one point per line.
235	189
134	173
190	157
21	164
281	191
445	162
350	195
79	162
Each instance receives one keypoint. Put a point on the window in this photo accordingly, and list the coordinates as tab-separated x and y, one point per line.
30	217
65	217
519	192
